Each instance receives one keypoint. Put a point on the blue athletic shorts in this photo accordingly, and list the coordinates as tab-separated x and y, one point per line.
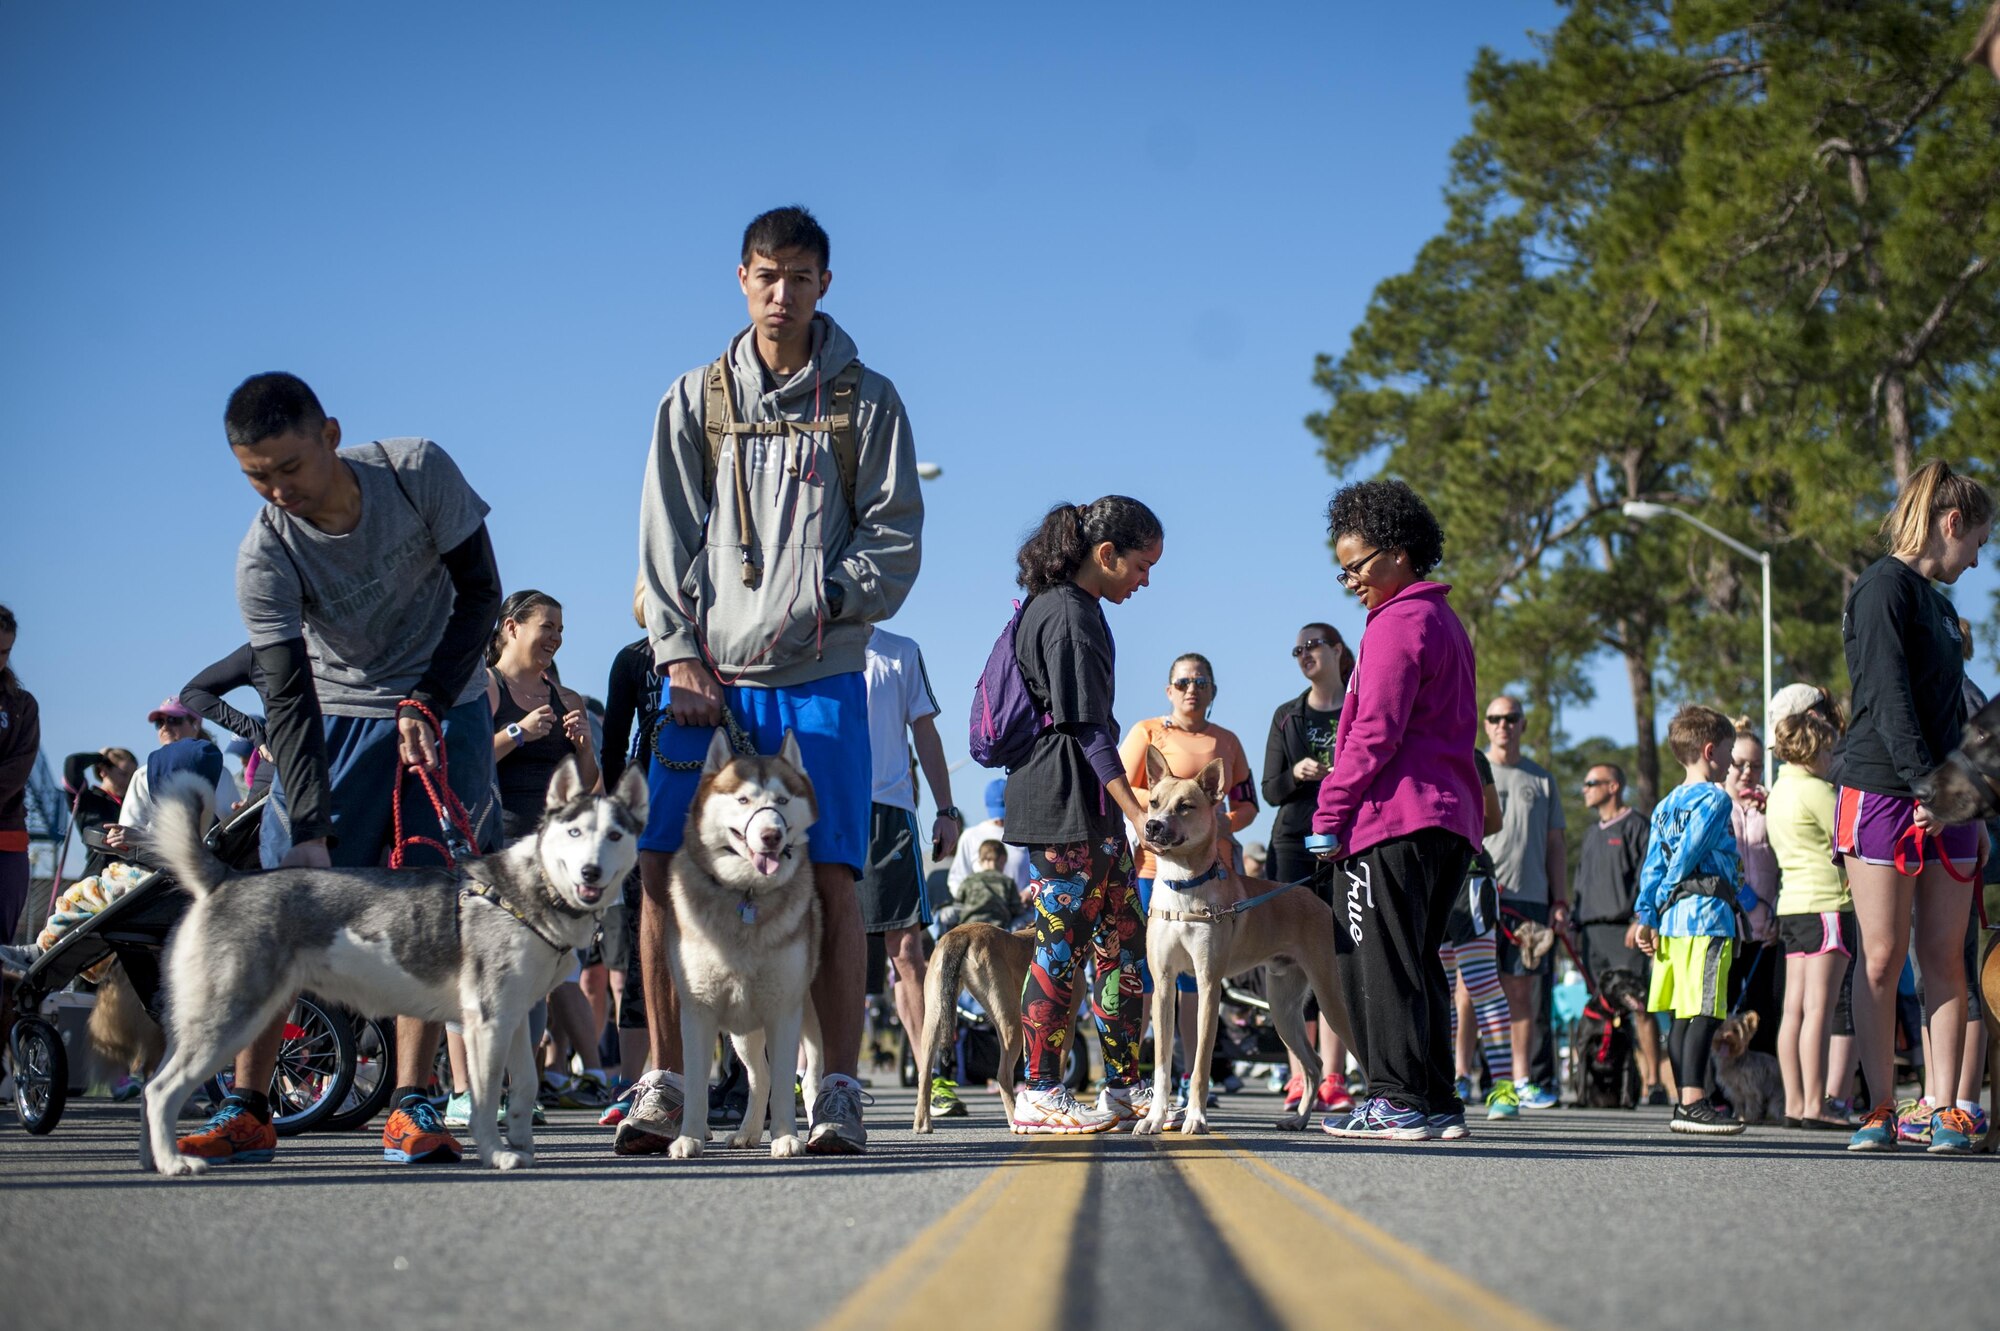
362	763
830	718
1185	984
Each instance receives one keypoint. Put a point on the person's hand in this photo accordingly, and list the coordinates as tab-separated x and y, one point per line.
1323	845
1763	922
236	806
1308	769
1985	852
416	744
577	726
1559	915
114	836
307	855
944	836
539	722
1645	937
1927	820
694	698
1632	934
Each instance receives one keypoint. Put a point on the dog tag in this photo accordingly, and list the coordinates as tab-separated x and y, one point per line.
746	909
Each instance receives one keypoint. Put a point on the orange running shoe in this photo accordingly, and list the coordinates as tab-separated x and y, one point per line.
415	1135
235	1136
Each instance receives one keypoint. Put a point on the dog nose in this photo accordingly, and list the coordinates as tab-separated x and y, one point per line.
1155	829
590	873
771	837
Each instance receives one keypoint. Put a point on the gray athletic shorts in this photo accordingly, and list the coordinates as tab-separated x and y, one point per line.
891	889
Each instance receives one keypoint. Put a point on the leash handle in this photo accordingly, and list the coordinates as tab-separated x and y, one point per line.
1917	837
452	818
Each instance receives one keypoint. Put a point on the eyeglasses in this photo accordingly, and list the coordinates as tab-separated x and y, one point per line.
1311	644
1191	682
1503	718
1743	764
1595	782
1350	574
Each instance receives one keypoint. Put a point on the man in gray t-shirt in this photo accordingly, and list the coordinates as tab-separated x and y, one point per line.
1529	857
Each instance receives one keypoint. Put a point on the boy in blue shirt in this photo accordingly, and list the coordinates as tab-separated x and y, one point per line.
1690	892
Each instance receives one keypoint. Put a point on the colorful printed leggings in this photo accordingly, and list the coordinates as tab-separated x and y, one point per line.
1480	973
1084	891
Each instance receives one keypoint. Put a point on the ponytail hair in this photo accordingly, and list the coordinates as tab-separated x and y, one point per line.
516	608
1057	548
1932	491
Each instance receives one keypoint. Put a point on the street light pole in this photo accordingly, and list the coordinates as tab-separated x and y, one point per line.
1645	512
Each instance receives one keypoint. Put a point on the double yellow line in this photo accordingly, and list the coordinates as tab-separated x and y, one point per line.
1313	1262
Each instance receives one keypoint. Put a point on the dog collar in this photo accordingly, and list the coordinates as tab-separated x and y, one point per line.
1186	884
472	887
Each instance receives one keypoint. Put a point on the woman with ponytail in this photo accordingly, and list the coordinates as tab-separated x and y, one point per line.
1903	653
1067	802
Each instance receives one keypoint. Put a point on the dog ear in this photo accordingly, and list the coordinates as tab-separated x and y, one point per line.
632	792
565	785
718	753
1156	766
1210	779
1749	1025
789	751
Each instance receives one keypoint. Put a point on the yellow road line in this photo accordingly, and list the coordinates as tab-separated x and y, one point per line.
964	1261
1309	1256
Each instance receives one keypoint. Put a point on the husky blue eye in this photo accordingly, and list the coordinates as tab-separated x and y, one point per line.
576	831
782	799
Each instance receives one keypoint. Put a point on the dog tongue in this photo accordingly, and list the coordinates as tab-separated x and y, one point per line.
764	863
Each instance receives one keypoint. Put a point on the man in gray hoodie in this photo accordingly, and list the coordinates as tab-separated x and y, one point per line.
780	520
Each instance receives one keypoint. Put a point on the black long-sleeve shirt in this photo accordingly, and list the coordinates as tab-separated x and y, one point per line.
203	693
631	699
1904	654
1293	736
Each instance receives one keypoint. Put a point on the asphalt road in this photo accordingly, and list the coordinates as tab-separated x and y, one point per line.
1573	1218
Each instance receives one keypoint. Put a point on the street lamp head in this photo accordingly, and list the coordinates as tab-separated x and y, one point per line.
1640	509
929	471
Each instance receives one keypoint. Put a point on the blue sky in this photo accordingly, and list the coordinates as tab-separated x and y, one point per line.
1096	248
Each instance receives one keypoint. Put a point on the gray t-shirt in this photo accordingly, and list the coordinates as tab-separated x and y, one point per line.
1529	809
371	604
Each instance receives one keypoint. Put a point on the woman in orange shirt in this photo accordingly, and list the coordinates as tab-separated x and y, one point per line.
1189	741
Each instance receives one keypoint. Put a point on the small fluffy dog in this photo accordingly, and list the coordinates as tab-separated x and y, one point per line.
479	944
993	964
744	938
1603	1074
1749	1078
1193	929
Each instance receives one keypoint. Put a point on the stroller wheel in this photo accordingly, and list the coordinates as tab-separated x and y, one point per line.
41	1075
315	1067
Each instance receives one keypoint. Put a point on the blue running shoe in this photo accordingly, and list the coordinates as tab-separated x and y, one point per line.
1877	1131
1449	1127
1379	1120
1951	1132
1535	1097
1463	1089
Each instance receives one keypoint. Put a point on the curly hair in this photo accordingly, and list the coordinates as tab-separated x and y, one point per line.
1388	515
1067	533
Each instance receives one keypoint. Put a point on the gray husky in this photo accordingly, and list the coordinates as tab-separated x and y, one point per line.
479	945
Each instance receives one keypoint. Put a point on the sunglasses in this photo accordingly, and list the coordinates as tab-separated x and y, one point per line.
1503	718
1310	644
1350	574
1595	782
1191	682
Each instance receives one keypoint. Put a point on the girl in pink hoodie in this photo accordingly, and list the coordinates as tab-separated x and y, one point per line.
1401	812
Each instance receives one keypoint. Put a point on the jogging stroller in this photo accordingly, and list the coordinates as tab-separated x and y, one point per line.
316	1062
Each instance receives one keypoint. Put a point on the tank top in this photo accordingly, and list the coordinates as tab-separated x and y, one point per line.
526	772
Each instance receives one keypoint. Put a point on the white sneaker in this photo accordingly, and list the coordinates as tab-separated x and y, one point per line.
1057	1112
655	1120
1129	1103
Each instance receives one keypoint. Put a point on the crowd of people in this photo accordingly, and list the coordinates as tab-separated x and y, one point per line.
781	522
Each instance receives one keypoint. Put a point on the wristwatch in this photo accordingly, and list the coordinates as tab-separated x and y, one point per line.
513	732
951	811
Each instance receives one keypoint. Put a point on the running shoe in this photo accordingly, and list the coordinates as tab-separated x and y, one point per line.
578	1091
126	1088
1913	1120
1657	1098
415	1135
655	1118
233	1136
1295	1091
1181	1097
1379	1120
1056	1112
837	1128
1449	1127
1979	1124
1333	1093
1535	1097
1462	1088
1877	1131
1503	1101
615	1112
1702	1118
944	1099
1952	1132
458	1110
1130	1103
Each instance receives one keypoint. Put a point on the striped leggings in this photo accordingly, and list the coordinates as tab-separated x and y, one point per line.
1480	973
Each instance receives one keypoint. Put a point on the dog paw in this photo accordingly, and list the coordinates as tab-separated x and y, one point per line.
745	1139
1293	1122
183	1166
784	1148
1194	1125
510	1159
1150	1125
685	1148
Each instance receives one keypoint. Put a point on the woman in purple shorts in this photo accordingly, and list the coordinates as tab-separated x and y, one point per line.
1902	642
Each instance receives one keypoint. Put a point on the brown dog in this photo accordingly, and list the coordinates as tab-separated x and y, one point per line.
1989	1005
1193	927
993	964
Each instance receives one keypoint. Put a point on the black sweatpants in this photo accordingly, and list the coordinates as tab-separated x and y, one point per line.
1390	906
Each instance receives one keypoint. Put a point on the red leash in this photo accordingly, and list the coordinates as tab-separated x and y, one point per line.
451	815
1916	834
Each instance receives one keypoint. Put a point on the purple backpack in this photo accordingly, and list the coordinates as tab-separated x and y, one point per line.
1005	717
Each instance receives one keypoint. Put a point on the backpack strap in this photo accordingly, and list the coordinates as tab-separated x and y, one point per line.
718	416
842	422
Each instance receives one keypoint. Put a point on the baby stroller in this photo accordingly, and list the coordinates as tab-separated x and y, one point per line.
316	1062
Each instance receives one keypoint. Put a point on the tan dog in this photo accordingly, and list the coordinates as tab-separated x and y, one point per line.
1193	928
993	964
1989	1005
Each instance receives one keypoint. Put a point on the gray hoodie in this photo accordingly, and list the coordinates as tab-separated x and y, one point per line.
691	552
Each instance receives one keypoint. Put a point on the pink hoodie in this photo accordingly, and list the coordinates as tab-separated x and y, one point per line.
1403	751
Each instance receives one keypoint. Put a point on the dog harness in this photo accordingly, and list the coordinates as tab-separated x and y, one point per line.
475	890
1210	915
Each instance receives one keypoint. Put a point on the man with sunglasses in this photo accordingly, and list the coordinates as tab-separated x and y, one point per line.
1607	890
1529	853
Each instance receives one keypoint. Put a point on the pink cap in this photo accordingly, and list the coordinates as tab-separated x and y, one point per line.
173	709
